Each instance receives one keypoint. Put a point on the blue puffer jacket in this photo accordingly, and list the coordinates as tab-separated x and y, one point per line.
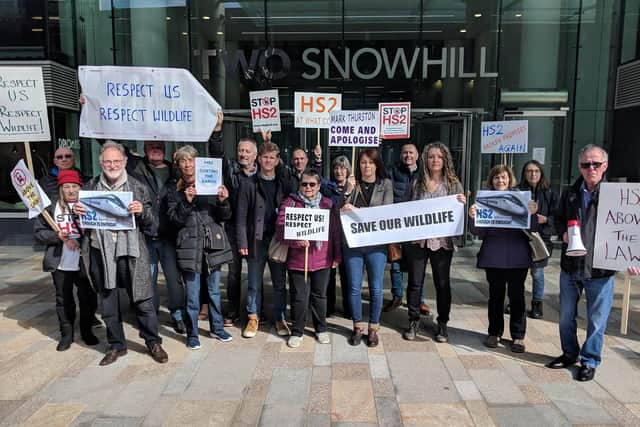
401	178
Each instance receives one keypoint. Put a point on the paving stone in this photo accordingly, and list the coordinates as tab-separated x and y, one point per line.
184	373
421	377
138	396
378	366
541	374
479	413
201	413
349	371
468	390
8	406
395	343
456	369
352	401
321	375
322	355
289	385
160	410
281	415
551	416
318	420
576	404
480	362
248	414
319	401
516	416
534	395
515	371
343	352
294	360
116	422
258	389
55	414
435	414
446	350
620	412
388	412
497	387
383	388
624	388
85	419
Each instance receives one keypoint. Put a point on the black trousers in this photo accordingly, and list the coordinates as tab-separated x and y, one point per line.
65	301
344	288
417	258
234	277
312	295
145	311
513	280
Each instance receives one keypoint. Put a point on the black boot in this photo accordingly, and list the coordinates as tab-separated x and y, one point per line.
87	335
441	333
66	337
536	310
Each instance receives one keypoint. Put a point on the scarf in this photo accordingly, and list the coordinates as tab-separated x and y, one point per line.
313	204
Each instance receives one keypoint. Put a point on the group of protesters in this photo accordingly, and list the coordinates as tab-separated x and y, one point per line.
192	236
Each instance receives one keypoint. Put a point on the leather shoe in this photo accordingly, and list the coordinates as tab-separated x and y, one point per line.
392	304
356	337
561	362
158	354
112	356
586	373
424	309
179	326
372	338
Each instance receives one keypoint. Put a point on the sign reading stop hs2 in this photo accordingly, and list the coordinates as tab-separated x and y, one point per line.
265	110
395	120
312	109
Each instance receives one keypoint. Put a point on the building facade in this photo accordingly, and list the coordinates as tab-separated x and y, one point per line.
569	67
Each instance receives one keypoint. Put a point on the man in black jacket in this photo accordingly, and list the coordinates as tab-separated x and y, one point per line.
63	159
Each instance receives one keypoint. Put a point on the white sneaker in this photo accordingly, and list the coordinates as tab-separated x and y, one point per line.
324	337
294	341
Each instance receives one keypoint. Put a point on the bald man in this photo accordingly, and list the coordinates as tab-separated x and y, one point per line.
62	159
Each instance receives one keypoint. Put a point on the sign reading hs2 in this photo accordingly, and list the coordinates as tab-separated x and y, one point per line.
263	108
318	104
394	115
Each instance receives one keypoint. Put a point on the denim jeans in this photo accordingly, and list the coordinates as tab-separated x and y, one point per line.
374	258
255	268
537	289
192	284
164	252
599	293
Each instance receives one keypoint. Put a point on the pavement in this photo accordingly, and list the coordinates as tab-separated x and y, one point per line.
261	381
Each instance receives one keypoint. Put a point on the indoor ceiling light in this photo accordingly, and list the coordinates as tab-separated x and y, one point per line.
463	30
206	18
168	18
518	15
220	33
477	15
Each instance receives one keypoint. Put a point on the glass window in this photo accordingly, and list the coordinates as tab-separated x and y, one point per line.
22	29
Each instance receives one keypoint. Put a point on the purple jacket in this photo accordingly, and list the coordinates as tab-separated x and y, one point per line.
319	258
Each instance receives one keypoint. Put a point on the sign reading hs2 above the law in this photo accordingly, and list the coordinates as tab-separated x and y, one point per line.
23	107
32	195
403	222
107	210
509	136
617	241
395	120
265	110
354	129
146	104
208	175
306	224
311	109
503	209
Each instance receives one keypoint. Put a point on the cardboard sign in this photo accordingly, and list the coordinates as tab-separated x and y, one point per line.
503	209
208	175
403	222
354	129
312	109
265	110
395	120
306	224
617	244
145	104
107	210
509	136
23	107
32	195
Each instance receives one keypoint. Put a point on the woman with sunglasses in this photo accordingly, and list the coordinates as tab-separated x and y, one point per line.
322	257
371	187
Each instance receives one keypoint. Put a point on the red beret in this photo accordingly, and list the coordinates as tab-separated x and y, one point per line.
69	176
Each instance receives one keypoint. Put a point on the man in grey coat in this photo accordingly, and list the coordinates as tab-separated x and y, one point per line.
120	258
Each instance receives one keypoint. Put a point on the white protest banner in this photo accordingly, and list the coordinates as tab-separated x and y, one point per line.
617	242
403	222
503	209
265	110
23	107
34	198
107	210
208	175
354	129
510	136
395	120
144	103
306	224
312	109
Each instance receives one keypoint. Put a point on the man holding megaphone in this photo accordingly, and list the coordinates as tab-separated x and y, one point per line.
575	220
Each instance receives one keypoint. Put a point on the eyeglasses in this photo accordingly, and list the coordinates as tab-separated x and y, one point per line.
64	156
308	184
587	165
110	163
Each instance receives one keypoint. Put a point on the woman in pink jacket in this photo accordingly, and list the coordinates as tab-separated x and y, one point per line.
322	257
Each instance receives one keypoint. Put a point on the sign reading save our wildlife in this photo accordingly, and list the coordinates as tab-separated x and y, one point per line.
311	109
403	222
395	120
208	175
509	136
33	197
23	107
144	103
107	210
306	224
503	209
354	129
617	242
265	110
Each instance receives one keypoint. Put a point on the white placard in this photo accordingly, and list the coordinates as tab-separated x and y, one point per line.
617	241
306	224
538	154
32	195
403	222
354	129
208	175
509	136
265	110
312	109
395	120
107	210
503	209
145	104
23	106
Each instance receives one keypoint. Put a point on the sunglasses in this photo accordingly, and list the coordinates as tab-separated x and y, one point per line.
64	156
308	184
587	165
